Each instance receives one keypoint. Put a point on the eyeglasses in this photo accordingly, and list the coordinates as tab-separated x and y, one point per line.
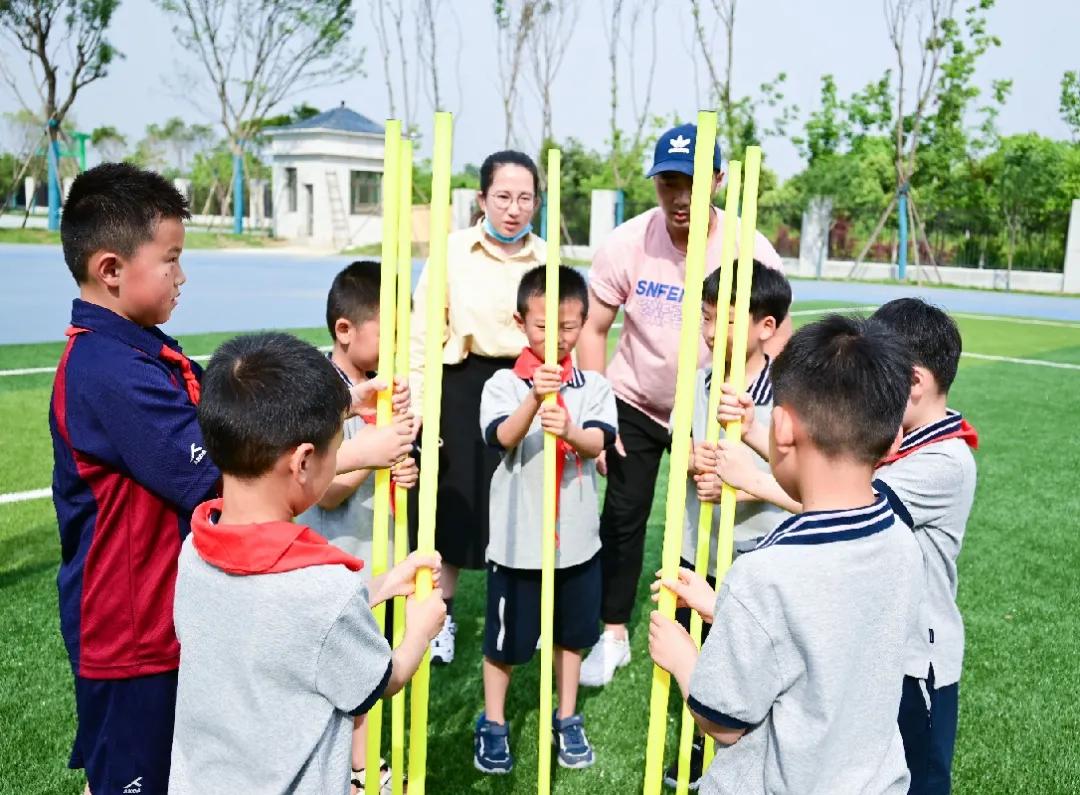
502	201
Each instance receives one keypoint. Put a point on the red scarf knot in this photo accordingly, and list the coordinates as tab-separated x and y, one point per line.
191	381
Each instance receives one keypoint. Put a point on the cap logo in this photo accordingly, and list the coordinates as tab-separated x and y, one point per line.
679	145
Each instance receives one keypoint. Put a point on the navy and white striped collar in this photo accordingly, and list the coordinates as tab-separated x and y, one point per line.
950	423
577	379
761	388
823	527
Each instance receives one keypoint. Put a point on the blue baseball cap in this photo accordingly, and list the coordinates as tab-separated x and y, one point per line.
675	151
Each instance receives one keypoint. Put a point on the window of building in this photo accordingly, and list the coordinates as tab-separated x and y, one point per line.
365	191
290	189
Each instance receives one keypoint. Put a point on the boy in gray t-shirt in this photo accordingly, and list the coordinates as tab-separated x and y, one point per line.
770	300
344	515
799	680
279	646
514	418
932	480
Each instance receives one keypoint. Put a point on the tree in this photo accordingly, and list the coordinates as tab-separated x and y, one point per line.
1070	102
552	33
180	140
514	20
389	17
257	53
109	143
67	50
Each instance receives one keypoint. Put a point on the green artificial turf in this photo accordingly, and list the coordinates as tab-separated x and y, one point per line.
1020	695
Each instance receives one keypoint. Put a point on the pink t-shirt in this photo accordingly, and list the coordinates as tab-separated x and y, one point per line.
639	268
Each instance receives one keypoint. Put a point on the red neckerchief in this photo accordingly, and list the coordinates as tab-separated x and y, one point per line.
370	419
525	368
952	426
166	354
263	548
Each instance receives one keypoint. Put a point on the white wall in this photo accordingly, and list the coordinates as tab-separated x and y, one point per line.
1038	281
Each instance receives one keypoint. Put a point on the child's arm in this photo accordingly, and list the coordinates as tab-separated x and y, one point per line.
691	590
376	447
587	442
423	621
673	650
514	428
341	488
737	468
735	407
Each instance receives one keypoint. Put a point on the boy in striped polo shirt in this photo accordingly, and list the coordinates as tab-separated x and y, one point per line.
800	677
932	479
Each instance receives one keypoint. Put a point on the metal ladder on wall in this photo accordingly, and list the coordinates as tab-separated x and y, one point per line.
339	222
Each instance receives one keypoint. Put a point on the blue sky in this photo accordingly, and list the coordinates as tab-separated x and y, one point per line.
804	39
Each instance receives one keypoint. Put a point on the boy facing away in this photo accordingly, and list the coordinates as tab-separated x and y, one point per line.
932	476
280	648
800	678
344	515
770	300
514	418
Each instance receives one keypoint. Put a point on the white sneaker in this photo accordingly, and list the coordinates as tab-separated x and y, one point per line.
442	647
608	655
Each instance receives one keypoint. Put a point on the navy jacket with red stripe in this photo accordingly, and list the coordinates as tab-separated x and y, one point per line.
129	469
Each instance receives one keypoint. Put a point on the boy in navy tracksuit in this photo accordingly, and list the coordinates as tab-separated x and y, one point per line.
129	468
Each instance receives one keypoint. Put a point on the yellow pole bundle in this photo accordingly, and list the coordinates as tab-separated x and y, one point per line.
551	485
712	434
689	345
401	507
381	523
429	447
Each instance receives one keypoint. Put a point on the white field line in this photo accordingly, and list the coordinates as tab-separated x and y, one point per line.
23	496
1013	360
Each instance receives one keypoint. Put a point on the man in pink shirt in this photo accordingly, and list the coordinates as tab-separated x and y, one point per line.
641	267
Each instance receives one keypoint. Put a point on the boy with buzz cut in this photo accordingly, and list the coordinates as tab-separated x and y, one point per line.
344	515
129	467
280	648
932	476
800	678
514	418
770	299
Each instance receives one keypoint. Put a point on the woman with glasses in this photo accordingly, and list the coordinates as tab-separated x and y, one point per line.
485	263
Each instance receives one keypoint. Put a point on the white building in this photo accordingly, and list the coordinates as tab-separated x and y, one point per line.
327	180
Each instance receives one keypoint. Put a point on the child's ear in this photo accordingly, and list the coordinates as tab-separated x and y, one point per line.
300	461
767	329
783	427
104	267
922	382
343	331
520	321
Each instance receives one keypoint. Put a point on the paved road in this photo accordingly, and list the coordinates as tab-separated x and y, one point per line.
245	290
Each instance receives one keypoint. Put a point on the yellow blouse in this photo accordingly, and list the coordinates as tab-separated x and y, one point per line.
481	296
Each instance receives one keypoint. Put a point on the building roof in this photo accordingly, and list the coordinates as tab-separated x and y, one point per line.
340	118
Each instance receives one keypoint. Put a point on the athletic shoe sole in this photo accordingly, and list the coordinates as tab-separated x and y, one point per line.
622	664
494	771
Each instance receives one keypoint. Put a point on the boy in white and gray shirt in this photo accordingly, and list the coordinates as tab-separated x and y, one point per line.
515	418
931	479
770	300
799	681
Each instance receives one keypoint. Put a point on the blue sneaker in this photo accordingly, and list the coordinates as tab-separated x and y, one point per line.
568	736
492	746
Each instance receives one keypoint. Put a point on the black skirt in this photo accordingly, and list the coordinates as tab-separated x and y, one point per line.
466	464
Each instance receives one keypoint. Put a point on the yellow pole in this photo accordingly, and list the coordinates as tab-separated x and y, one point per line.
429	448
712	434
551	485
689	345
401	505
381	521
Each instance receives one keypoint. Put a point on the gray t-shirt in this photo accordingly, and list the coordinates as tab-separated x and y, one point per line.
936	485
517	494
272	668
350	525
753	519
806	653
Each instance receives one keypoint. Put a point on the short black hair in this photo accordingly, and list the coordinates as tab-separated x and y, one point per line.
848	380
508	157
929	334
354	294
265	394
572	287
770	293
115	207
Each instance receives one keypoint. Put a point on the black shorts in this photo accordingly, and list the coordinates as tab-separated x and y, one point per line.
125	732
512	627
682	614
